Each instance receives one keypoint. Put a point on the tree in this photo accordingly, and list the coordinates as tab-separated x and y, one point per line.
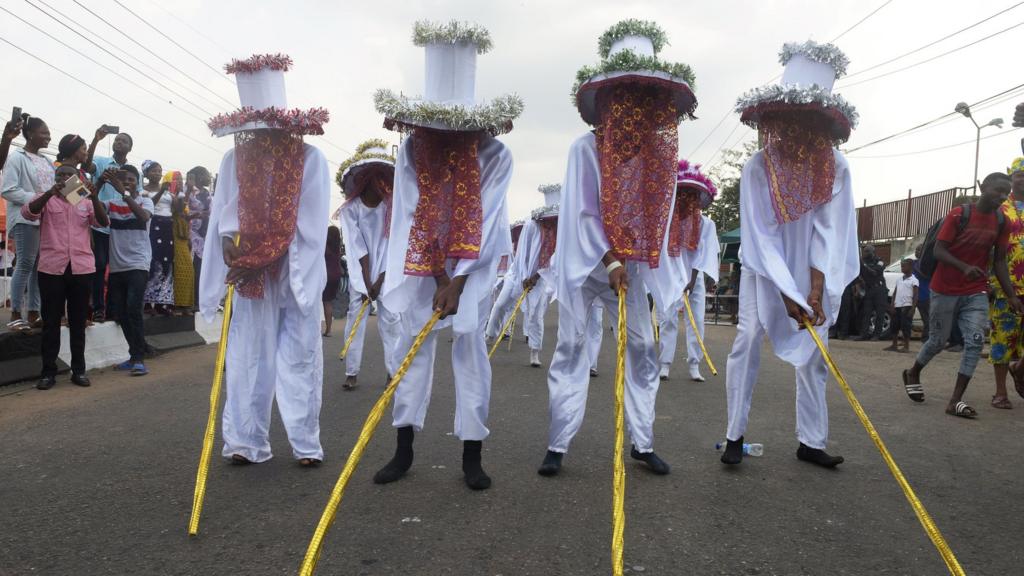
725	211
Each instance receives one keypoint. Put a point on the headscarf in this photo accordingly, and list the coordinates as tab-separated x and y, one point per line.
1016	166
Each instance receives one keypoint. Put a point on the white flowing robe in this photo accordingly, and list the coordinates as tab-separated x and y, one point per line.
363	231
274	347
581	280
777	259
412	296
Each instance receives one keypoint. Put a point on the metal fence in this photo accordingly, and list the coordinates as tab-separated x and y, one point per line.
907	218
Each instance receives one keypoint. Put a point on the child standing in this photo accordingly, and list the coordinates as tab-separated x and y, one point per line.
904	302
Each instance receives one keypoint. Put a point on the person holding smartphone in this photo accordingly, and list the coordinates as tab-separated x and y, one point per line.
130	255
101	235
66	266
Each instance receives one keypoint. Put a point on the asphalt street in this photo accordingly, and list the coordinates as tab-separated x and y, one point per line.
99	480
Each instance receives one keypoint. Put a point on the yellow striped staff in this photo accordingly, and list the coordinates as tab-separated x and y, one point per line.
316	544
511	333
654	323
619	476
508	323
355	326
922	515
693	324
211	420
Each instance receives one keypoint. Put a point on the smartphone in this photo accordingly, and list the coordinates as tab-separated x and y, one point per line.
111	129
74	190
16	114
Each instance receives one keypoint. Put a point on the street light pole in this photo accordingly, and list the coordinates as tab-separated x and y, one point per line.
964	109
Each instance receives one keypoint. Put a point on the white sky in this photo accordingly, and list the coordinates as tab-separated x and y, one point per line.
343	51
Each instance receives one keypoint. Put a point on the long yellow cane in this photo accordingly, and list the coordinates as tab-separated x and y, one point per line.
313	551
693	324
922	515
211	420
355	326
654	324
619	477
508	323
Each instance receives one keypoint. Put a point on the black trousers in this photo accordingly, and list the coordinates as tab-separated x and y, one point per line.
923	307
55	293
101	253
874	304
125	295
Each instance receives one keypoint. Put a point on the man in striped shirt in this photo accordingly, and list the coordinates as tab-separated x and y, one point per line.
130	256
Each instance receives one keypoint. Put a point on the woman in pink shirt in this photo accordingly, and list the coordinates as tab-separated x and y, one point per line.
66	265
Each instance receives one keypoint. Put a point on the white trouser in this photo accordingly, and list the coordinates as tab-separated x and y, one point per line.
569	378
741	376
503	305
595	332
668	332
697	304
387	324
536	305
470	365
273	350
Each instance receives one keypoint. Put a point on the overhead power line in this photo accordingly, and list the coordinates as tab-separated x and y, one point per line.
79	53
932	43
118	58
933	121
146	48
937	148
933	58
219	73
861	21
121	102
192	28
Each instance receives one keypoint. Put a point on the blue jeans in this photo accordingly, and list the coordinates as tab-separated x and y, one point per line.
970	314
26	250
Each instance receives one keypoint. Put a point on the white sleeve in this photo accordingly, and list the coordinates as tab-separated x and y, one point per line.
307	267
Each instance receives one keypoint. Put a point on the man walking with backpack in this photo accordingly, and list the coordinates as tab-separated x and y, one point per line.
956	257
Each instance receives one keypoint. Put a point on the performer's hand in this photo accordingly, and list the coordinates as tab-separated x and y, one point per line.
231	252
446	298
794	311
237	275
618	279
530	282
375	289
814	298
689	287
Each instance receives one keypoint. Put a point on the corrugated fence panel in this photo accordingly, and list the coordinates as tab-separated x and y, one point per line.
889	221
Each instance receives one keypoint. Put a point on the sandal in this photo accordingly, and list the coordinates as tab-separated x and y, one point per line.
1002	402
309	462
963	410
1018	382
914	391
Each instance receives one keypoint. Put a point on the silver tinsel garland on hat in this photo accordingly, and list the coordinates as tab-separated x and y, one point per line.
544	212
825	53
454	32
813	94
495	117
548	188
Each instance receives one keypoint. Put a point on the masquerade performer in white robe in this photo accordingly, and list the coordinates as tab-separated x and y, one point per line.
507	295
273	192
449	230
692	253
539	275
595	334
799	239
615	208
366	180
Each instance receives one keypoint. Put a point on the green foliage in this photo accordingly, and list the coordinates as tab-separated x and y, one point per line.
725	210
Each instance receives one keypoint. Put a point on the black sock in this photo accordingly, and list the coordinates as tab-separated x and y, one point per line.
733	453
476	478
402	461
551	465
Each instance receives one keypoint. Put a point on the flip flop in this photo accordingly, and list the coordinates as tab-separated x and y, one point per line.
1002	402
914	391
963	410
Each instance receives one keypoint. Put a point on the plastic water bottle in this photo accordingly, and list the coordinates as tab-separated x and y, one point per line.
748	449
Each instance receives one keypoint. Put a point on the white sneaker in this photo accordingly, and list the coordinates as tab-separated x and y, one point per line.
535	358
664	372
695	373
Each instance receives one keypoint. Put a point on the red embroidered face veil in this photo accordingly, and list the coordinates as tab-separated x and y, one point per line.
799	161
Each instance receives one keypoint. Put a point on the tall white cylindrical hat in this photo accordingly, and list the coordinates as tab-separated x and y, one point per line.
262	89
640	45
450	74
802	71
